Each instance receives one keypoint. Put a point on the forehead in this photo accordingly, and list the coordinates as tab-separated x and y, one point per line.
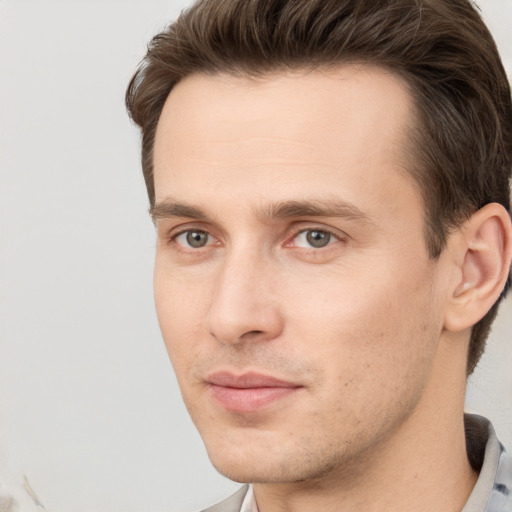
298	129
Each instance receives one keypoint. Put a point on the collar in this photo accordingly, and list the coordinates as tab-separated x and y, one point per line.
493	489
249	503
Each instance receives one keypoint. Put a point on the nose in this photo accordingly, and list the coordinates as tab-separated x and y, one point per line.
244	306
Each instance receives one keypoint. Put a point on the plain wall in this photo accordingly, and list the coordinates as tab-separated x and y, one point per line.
89	407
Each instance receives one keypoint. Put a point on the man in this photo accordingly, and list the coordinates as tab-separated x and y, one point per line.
329	180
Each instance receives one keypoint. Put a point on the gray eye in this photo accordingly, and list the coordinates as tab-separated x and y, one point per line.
196	239
318	239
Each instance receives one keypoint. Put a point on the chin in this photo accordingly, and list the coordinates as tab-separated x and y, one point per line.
252	473
240	465
254	465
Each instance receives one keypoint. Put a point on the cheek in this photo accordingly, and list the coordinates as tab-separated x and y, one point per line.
377	330
179	312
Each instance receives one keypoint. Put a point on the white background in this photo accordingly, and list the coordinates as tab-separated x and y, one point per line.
90	410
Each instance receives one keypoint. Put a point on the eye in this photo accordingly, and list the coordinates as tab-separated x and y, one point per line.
194	239
314	238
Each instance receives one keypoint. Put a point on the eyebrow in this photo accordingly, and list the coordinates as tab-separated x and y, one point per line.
169	208
315	208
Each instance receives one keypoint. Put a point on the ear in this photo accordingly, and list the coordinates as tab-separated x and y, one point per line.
482	250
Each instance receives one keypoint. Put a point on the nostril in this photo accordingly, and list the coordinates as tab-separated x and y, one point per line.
253	333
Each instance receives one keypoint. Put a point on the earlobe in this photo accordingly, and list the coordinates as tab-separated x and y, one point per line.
484	247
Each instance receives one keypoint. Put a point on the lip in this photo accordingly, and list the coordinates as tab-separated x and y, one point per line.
248	392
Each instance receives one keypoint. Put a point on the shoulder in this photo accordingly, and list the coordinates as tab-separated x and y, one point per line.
231	504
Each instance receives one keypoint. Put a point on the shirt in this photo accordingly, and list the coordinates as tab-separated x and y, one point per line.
493	489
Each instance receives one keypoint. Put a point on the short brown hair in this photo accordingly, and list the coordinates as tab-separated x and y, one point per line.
441	48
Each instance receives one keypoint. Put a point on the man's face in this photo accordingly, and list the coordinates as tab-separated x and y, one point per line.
297	301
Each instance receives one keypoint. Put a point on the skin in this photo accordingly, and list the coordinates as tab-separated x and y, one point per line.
358	326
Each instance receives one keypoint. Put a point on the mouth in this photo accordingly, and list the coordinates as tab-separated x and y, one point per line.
249	392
